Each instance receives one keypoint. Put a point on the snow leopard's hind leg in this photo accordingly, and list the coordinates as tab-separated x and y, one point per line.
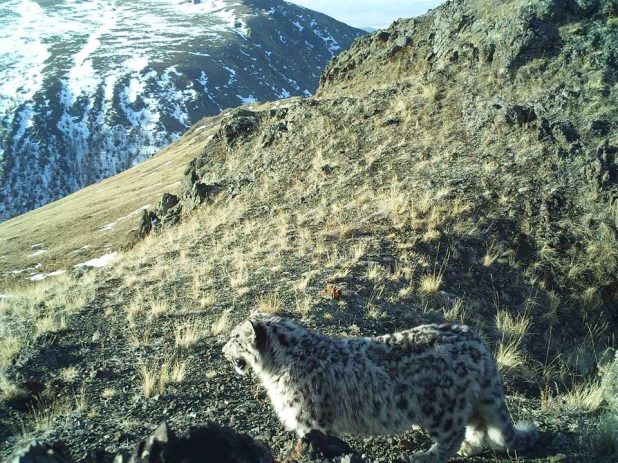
444	447
501	432
476	434
447	429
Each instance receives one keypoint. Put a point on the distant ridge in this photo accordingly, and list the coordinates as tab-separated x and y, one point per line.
114	82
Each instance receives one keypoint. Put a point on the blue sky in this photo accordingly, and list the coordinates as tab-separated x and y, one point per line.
369	13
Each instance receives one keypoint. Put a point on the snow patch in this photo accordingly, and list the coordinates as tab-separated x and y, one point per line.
37	253
111	225
246	99
83	248
42	276
29	269
99	261
329	41
135	64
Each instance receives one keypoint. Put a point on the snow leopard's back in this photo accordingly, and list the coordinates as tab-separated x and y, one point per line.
440	377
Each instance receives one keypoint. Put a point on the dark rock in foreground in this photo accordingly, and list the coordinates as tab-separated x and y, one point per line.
207	443
35	452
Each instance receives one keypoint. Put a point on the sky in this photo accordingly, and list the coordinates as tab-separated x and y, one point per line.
377	14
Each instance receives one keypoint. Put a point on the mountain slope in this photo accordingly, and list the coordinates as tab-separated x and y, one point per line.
418	186
114	82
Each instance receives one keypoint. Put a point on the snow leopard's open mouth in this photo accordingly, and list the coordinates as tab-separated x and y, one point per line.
240	365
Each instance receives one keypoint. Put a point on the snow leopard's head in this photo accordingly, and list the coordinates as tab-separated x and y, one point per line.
246	343
263	343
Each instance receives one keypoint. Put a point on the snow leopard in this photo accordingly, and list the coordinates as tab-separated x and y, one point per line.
441	378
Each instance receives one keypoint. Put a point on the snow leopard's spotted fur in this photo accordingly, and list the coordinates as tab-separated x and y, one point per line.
442	378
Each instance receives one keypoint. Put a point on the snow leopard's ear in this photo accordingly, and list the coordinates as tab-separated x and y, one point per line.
246	331
254	332
260	335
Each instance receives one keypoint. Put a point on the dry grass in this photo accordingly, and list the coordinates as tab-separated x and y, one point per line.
10	345
222	325
512	327
139	339
304	304
456	313
376	273
80	400
50	323
208	299
159	307
108	393
94	207
9	390
154	377
492	254
510	357
178	371
69	374
43	415
429	285
585	396
188	333
271	303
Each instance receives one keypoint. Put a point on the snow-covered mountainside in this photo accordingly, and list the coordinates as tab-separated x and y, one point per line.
90	88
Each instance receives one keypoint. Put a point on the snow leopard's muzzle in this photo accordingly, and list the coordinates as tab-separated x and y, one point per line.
239	362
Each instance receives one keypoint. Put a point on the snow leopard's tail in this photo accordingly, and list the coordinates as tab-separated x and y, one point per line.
501	432
526	434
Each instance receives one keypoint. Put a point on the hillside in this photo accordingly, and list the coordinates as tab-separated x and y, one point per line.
458	166
112	83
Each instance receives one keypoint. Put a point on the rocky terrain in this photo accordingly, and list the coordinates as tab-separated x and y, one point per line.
112	83
458	166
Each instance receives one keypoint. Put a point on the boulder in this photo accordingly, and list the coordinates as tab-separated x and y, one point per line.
35	452
195	193
203	444
169	209
241	124
149	221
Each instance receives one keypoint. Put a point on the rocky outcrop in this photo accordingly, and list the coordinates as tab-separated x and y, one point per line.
469	33
148	222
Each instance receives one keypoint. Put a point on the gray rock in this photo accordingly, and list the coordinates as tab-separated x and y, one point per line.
168	201
242	124
35	452
149	221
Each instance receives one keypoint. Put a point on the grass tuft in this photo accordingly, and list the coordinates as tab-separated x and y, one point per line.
429	284
272	303
585	396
